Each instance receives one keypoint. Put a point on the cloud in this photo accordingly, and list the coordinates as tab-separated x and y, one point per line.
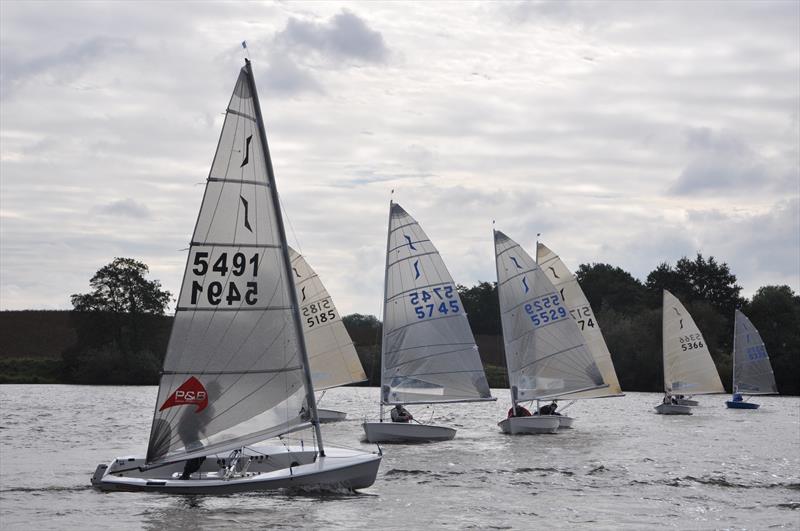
722	163
284	76
344	38
60	67
124	207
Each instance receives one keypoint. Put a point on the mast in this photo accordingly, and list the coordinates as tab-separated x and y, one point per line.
287	267
733	353
663	338
385	289
508	365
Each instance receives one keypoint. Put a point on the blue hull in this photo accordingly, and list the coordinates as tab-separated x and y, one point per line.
741	405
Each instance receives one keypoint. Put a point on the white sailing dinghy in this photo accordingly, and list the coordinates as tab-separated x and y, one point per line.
688	367
546	354
334	360
236	370
576	303
428	352
752	371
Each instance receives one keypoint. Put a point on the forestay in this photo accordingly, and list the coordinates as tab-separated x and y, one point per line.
688	367
578	306
546	354
428	352
233	371
331	354
752	371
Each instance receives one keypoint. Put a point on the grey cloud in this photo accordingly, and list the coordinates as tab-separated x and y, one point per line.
124	207
724	163
63	65
344	37
284	76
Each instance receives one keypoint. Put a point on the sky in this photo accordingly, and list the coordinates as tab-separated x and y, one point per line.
629	133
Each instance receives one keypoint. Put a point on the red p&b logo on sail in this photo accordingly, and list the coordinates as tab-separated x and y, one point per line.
190	392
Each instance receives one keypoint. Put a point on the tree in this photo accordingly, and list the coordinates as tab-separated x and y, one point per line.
120	287
121	328
775	312
482	307
607	286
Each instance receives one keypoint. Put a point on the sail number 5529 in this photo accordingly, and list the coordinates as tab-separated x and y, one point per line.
225	291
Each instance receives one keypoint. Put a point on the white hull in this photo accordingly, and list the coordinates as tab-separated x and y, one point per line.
687	402
406	432
330	415
530	425
673	409
564	421
271	468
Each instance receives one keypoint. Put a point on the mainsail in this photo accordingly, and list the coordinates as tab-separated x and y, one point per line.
688	367
546	354
578	306
752	371
331	354
234	371
428	352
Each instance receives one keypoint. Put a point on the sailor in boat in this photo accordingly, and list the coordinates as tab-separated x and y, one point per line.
670	399
191	428
401	414
519	412
548	409
737	397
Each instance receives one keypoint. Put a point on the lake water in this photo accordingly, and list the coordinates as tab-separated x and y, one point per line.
621	467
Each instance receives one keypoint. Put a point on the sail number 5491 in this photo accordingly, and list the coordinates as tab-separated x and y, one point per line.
227	291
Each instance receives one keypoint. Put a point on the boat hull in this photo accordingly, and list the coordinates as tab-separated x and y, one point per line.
532	425
673	409
330	415
339	469
406	432
564	422
741	405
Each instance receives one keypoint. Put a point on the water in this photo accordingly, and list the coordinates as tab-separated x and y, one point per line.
621	467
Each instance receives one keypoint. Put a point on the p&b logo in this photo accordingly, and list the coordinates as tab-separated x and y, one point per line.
191	392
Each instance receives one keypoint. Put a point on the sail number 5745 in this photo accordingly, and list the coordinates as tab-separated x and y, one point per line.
442	301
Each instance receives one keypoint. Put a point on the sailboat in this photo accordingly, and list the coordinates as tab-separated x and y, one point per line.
688	367
546	353
236	372
752	371
428	352
576	303
334	360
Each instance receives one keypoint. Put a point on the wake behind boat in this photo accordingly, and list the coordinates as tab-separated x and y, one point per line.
237	372
688	367
546	353
428	352
752	371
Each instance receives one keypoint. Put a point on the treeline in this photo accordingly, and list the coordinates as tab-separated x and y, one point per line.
629	314
118	334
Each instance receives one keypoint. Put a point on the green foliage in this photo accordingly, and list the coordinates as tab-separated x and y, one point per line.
122	334
29	370
775	312
607	286
120	287
482	307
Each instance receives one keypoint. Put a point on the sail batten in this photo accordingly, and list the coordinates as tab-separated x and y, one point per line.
428	352
581	311
688	367
235	368
546	356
